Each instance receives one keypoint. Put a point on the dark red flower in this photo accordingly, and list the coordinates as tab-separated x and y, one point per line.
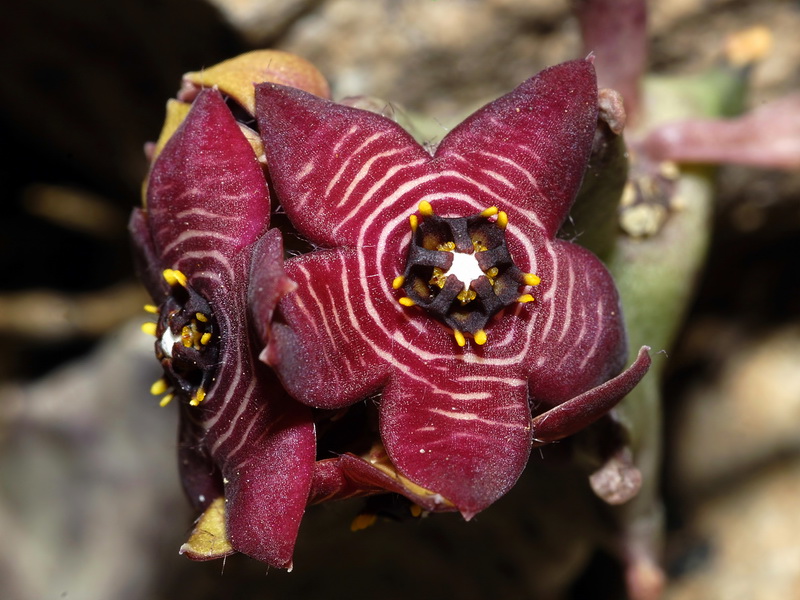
438	281
204	225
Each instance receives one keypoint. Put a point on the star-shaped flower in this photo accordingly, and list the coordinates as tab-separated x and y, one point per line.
241	437
438	282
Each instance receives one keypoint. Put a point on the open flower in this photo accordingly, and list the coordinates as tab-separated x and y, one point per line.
438	281
204	223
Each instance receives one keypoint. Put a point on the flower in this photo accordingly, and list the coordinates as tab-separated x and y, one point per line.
437	281
204	224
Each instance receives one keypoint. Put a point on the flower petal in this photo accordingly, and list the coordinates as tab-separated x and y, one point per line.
583	410
200	477
578	338
331	164
268	281
468	444
532	145
267	484
318	345
207	194
350	476
145	256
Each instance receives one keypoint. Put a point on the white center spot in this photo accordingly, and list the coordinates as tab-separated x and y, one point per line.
168	340
465	267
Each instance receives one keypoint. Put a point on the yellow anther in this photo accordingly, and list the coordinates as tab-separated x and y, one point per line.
460	340
492	273
159	387
363	521
205	339
166	400
480	337
173	277
406	301
525	298
151	308
413	220
446	247
199	396
398	282
478	246
186	336
502	219
531	279
492	210
416	510
438	277
425	209
466	296
149	328
201	317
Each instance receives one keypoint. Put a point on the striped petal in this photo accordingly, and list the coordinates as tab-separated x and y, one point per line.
268	479
261	442
578	337
331	165
467	443
335	167
532	145
207	197
319	347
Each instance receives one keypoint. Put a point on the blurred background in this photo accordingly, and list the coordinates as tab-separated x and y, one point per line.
90	504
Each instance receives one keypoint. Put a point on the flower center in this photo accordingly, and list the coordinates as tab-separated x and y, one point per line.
187	343
460	271
465	268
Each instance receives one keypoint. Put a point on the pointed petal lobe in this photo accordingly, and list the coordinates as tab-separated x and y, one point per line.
268	281
329	163
578	340
532	145
145	256
580	412
207	192
469	444
319	345
267	488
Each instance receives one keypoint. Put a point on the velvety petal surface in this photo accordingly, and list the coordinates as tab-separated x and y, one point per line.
336	165
207	197
268	281
331	164
531	146
581	411
350	476
262	442
145	256
268	476
578	338
468	443
319	347
455	419
200	476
